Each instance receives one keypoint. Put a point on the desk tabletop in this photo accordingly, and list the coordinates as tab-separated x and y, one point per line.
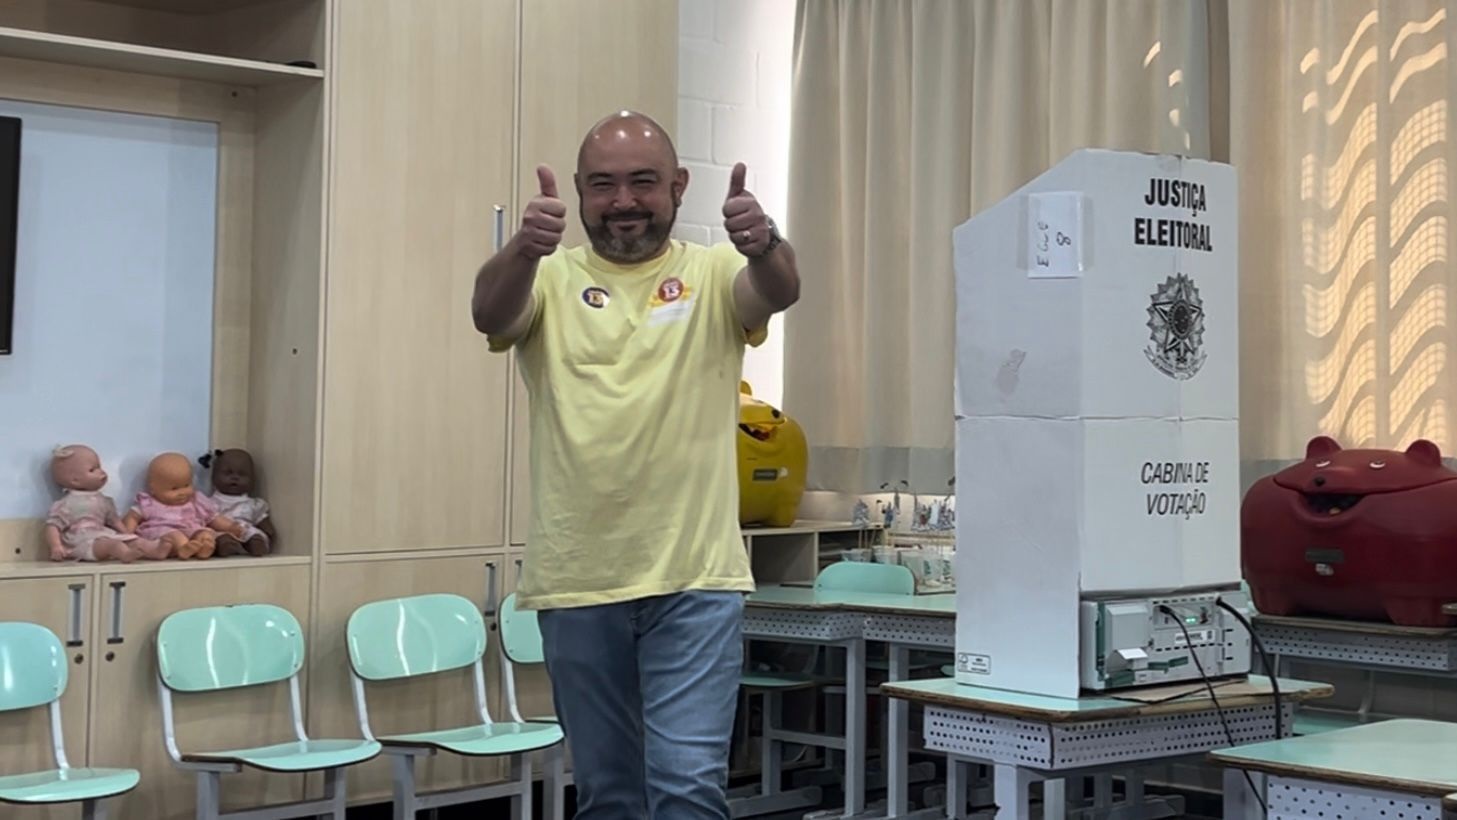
1358	627
1173	699
1415	756
774	596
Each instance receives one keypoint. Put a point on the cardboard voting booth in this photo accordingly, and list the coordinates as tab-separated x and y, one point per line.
1097	404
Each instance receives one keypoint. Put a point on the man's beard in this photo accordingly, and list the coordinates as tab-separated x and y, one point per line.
629	250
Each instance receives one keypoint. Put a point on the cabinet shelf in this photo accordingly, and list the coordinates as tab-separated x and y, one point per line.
310	227
76	569
138	59
189	6
806	526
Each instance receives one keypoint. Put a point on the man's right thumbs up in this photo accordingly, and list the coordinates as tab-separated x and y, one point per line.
547	180
544	221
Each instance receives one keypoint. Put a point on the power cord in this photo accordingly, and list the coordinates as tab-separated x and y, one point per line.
1199	665
1270	671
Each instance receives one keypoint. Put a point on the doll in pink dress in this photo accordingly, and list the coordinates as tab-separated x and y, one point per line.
83	524
173	512
233	481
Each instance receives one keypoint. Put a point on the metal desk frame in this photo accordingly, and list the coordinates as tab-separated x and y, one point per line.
799	615
824	626
1366	647
1025	749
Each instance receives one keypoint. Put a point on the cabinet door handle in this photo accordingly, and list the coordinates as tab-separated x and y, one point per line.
500	226
73	630
490	610
117	588
518	571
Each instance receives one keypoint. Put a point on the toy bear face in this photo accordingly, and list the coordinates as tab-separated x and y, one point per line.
1333	480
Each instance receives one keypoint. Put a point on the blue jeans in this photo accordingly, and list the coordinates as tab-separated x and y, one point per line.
646	693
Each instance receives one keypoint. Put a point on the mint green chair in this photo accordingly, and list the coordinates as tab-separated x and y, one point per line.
862	576
402	638
34	673
212	649
877	579
521	646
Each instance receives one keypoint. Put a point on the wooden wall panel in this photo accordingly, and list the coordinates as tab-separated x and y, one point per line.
415	407
580	61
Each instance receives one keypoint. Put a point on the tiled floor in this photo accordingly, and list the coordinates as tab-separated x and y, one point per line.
1201	807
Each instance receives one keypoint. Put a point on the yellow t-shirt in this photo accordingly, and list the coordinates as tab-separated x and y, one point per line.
633	377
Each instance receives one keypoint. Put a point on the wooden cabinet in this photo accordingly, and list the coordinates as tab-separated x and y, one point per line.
126	717
62	605
576	69
567	85
356	199
414	404
440	701
796	554
520	460
270	123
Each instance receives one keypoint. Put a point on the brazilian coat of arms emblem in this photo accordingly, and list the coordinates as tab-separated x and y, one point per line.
1176	325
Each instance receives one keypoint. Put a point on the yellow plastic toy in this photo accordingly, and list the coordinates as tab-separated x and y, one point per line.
773	460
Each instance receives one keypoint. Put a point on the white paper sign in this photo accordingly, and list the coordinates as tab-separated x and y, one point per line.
1055	234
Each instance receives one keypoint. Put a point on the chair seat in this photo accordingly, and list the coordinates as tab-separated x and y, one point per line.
67	785
294	756
482	739
775	680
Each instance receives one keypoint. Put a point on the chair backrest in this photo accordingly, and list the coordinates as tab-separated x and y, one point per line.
33	669
520	633
863	576
225	647
416	635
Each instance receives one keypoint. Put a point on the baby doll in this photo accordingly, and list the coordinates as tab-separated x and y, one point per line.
83	523
233	481
171	511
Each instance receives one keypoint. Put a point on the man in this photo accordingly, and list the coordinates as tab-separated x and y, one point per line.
631	351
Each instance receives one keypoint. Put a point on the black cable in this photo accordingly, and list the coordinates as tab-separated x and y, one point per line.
1229	735
1270	670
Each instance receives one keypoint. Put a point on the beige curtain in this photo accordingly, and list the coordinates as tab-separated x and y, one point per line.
908	117
911	115
1340	126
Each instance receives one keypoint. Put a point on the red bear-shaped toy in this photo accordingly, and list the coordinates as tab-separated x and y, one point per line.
1360	534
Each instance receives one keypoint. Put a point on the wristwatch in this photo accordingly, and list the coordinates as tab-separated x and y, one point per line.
774	238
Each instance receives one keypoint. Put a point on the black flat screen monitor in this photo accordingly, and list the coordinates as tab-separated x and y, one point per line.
9	222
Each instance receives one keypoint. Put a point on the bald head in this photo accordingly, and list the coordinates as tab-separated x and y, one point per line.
630	186
626	130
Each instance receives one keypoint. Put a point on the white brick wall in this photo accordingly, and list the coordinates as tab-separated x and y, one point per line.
733	106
